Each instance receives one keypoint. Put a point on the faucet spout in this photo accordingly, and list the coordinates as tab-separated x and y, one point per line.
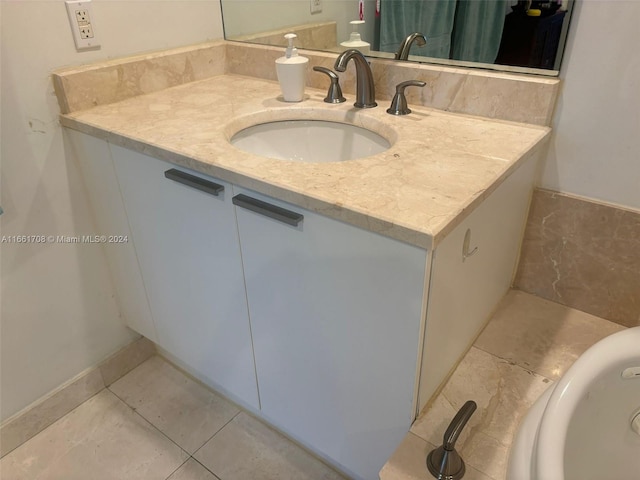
365	89
403	51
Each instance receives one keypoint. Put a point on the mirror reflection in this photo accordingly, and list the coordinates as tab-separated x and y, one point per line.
513	35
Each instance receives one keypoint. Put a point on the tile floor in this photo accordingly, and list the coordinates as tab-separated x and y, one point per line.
157	423
529	343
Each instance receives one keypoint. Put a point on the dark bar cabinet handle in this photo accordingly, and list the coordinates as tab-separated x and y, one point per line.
267	209
206	186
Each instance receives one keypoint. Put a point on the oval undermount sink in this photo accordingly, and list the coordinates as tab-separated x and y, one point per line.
309	141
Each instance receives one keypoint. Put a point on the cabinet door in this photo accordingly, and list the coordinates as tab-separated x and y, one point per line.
335	315
187	246
100	178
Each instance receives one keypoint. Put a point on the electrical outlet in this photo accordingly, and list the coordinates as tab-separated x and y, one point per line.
82	16
316	6
82	24
86	32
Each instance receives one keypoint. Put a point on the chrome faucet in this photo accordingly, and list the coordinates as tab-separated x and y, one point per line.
403	51
365	90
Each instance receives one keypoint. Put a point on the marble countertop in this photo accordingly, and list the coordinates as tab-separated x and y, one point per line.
439	168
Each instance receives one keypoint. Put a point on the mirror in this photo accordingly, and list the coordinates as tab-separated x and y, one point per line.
525	36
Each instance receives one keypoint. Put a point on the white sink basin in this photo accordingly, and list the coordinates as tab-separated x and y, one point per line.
309	141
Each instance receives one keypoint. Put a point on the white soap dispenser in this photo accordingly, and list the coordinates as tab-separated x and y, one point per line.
355	40
292	72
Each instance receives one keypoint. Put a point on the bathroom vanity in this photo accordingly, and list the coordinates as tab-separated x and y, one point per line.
335	308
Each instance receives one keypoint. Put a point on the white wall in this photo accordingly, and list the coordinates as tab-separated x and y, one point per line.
595	148
58	313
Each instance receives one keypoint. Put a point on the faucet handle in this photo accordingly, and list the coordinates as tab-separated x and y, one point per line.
444	462
399	102
334	95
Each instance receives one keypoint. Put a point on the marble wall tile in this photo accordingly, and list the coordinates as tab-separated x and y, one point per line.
496	95
442	83
506	96
583	254
181	408
541	336
259	61
102	439
255	61
499	95
246	448
514	98
28	423
80	88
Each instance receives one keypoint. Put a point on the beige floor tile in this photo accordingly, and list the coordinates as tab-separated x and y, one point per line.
247	449
181	408
192	470
540	335
502	391
472	473
486	455
409	462
27	424
102	439
526	335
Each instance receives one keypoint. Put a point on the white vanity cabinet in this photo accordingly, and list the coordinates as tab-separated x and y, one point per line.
187	247
470	277
335	314
93	156
336	335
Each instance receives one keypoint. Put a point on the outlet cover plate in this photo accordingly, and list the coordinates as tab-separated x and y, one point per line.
316	6
82	24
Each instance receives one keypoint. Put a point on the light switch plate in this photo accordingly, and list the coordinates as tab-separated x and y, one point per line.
82	24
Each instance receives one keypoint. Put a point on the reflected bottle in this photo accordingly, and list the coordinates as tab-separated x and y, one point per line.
355	40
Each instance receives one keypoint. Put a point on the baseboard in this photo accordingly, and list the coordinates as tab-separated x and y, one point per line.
45	411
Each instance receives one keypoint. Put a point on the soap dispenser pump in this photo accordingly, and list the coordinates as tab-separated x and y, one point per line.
291	70
355	40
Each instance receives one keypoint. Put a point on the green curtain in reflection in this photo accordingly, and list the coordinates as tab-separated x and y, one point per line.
468	30
434	18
